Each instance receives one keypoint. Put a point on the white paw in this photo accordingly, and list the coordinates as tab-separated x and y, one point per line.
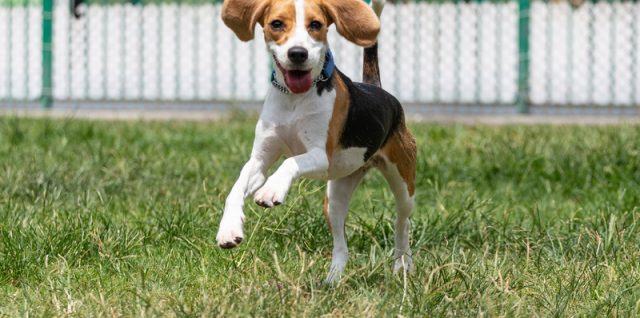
230	232
333	278
335	273
404	262
272	192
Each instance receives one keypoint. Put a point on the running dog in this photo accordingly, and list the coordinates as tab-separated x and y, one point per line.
328	126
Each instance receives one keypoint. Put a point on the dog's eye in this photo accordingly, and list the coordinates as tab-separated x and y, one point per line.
277	24
315	25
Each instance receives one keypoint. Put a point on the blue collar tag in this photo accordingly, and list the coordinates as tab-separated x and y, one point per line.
329	65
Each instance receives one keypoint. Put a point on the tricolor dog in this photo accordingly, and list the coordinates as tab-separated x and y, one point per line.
329	127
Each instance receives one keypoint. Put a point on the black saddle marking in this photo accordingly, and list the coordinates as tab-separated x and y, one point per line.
374	115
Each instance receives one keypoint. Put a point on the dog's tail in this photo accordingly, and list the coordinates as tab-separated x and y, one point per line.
370	68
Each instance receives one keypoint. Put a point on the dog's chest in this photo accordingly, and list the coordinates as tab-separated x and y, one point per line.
303	123
300	122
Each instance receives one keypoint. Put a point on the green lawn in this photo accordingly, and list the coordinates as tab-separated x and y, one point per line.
104	218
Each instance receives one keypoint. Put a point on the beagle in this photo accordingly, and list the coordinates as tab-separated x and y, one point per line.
329	127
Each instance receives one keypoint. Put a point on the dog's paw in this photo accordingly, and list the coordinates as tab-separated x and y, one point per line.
230	233
333	278
335	273
404	263
272	192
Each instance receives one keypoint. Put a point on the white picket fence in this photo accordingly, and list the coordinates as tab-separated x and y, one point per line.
446	53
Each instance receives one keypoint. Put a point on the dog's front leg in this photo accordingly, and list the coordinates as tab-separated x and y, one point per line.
312	163
266	150
230	232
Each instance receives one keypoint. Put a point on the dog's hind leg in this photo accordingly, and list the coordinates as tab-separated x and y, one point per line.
339	194
399	171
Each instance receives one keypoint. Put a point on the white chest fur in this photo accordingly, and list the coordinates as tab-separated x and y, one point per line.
299	121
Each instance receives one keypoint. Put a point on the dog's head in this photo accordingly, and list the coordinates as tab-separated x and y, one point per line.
296	31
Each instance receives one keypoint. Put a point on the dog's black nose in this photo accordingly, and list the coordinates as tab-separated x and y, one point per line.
298	54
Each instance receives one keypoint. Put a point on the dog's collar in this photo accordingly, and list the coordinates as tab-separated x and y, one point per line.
325	74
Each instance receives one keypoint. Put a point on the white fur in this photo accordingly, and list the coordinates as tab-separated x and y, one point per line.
301	37
404	208
339	193
346	161
297	125
251	178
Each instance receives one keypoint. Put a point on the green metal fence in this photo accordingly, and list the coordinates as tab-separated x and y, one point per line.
441	56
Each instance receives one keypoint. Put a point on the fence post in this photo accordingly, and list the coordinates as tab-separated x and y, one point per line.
522	102
47	25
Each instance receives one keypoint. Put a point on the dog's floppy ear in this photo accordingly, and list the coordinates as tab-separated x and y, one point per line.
354	20
241	16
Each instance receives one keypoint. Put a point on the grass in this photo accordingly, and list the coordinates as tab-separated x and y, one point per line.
108	219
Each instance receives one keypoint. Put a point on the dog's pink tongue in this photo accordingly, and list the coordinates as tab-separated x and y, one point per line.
298	81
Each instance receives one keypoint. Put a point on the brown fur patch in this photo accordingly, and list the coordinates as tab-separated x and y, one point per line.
241	16
354	20
338	117
401	150
370	69
376	161
326	210
313	12
285	11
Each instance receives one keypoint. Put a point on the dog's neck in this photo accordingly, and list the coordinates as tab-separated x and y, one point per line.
329	66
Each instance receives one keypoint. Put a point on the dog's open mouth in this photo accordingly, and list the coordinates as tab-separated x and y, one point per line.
298	81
